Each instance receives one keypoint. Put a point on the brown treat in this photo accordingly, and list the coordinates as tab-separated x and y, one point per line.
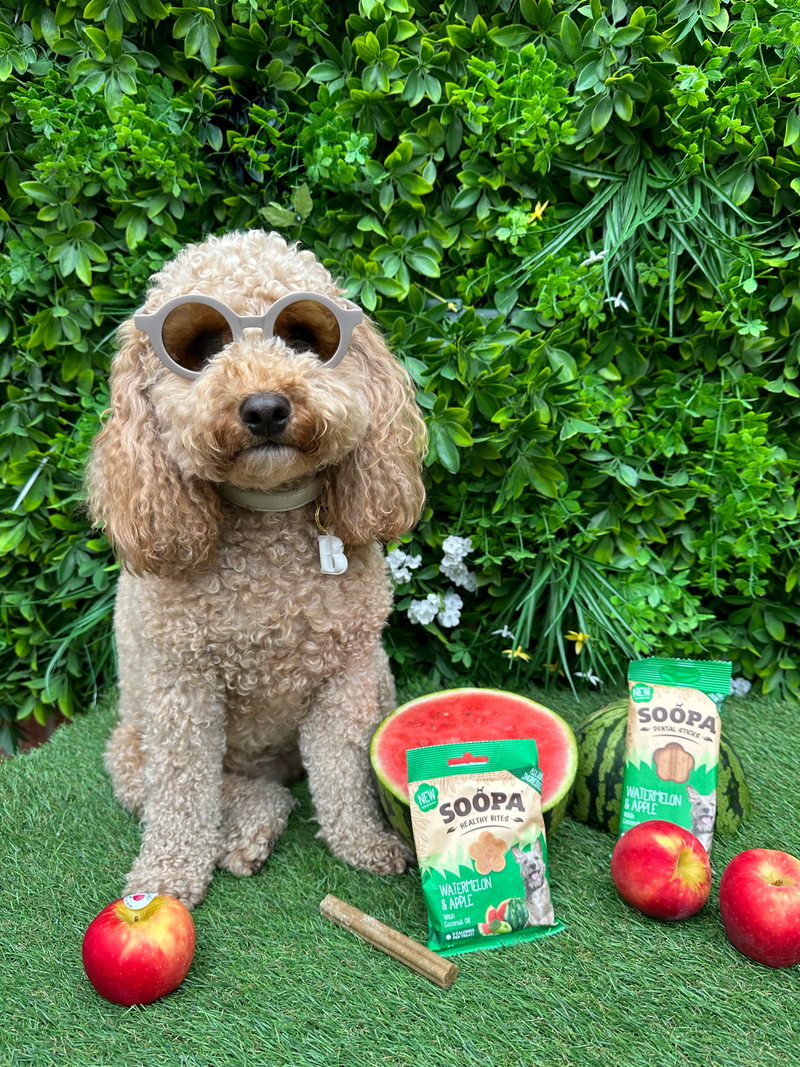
673	763
415	956
489	853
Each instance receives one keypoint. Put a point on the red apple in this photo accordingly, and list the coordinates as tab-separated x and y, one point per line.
662	870
139	948
759	897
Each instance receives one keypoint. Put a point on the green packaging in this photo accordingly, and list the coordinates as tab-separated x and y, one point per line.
672	746
476	810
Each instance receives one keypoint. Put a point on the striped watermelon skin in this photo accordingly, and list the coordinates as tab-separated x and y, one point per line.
597	792
516	913
733	796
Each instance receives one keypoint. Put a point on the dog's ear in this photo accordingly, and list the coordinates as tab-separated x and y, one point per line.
376	492
157	521
692	793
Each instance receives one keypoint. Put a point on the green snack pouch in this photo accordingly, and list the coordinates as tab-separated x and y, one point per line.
476	810
672	746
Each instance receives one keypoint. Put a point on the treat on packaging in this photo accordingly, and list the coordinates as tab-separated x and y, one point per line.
672	747
476	810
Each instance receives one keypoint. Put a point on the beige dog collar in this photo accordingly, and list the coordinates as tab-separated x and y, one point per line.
288	500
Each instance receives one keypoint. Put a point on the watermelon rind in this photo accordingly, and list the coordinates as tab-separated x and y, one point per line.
396	806
597	793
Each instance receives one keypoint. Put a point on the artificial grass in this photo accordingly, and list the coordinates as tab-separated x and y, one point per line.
274	983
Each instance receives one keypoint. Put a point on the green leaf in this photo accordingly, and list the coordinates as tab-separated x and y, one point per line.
623	105
774	625
743	187
279	216
461	36
563	364
415	184
602	113
444	449
570	39
325	71
529	11
626	35
39	192
792	128
303	203
11	538
423	263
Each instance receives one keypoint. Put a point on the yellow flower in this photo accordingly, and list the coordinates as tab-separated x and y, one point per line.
579	639
516	653
538	211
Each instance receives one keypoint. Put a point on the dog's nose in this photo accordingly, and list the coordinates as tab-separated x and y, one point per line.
265	414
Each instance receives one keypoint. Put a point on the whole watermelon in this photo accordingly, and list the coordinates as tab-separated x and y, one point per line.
516	913
601	760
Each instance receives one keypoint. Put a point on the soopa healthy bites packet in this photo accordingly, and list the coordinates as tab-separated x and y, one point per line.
476	810
672	746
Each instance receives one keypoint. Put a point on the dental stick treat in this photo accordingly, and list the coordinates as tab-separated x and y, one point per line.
672	747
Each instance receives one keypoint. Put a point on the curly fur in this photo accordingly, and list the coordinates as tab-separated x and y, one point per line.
238	659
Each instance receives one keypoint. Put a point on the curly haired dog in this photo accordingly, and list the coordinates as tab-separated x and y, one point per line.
238	658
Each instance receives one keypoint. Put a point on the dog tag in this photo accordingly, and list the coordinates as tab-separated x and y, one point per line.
332	559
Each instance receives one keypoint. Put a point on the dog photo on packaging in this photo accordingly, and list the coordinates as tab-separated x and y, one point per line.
262	442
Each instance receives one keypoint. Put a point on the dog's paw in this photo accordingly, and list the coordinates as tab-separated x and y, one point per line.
255	814
246	858
381	853
187	887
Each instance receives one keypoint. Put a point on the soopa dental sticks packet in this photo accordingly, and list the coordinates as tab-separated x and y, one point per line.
672	746
476	810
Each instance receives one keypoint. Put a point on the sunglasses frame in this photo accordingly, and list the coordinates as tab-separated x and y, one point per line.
346	318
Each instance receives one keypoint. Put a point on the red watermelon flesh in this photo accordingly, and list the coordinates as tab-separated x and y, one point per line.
471	715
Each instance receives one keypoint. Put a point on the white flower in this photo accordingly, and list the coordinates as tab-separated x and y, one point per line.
505	632
456	548
593	257
450	615
617	301
589	675
452	567
424	611
740	687
458	574
401	565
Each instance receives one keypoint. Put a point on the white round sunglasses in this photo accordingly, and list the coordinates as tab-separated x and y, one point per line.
190	330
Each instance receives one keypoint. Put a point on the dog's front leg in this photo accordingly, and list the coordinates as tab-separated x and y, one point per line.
184	746
334	745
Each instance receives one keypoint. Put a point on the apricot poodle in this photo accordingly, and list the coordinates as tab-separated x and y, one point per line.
241	418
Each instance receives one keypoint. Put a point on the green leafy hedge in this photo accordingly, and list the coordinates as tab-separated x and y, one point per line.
576	225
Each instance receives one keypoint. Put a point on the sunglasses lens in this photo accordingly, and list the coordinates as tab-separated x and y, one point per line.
195	333
307	326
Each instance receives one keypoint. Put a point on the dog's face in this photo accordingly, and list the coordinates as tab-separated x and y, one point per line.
531	866
265	411
703	810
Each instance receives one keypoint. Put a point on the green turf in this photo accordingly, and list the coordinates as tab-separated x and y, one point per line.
273	983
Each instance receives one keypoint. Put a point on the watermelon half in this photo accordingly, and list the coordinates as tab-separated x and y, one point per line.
471	715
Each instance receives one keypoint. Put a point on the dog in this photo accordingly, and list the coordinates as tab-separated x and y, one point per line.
262	441
703	812
537	888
